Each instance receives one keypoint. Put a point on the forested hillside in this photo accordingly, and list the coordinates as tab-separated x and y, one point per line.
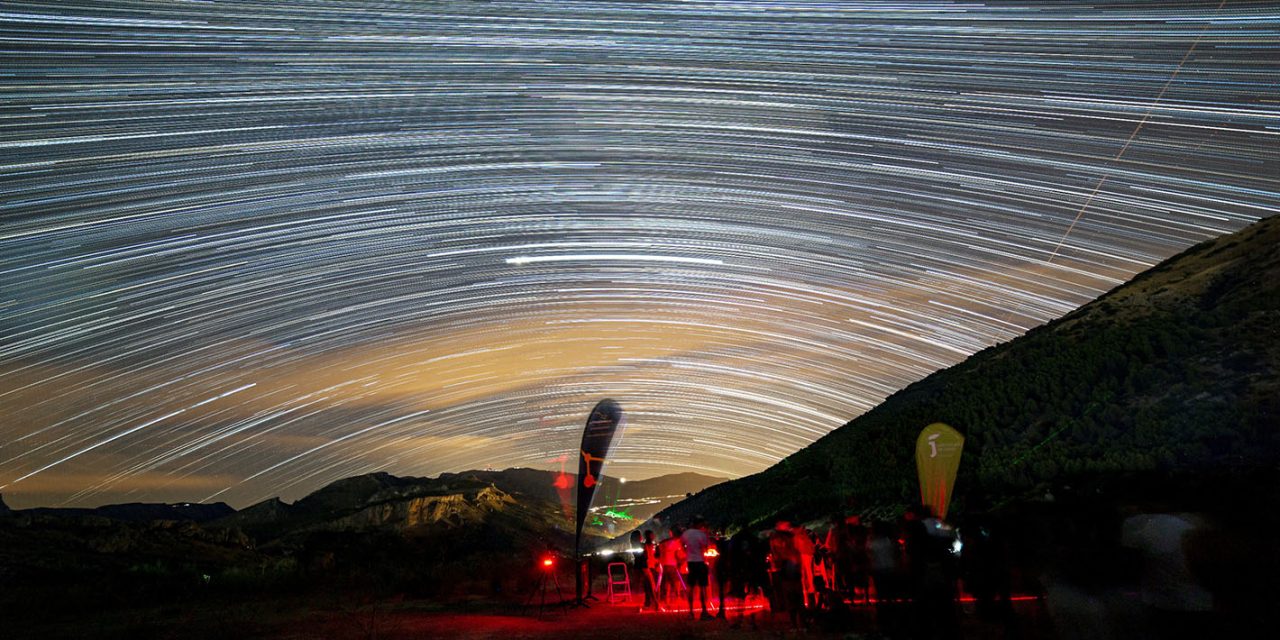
1172	372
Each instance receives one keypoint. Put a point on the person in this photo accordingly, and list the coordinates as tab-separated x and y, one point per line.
635	573
823	582
1178	605
750	572
696	542
932	575
652	564
837	546
785	559
859	562
722	568
984	569
882	552
669	580
805	548
778	540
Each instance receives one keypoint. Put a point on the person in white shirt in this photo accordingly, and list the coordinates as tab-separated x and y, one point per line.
696	541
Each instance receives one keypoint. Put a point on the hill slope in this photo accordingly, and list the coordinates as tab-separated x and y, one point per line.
1175	371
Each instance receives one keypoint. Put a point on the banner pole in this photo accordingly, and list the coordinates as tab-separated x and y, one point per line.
597	438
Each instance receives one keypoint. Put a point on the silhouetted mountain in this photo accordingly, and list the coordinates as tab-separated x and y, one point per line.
375	531
459	533
542	484
349	493
264	520
41	546
142	512
530	482
383	500
380	501
675	484
619	506
1175	372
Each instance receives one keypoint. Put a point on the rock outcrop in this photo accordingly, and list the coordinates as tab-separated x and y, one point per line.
450	510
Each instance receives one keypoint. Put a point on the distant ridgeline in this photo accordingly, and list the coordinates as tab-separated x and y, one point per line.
137	511
1172	376
381	500
456	534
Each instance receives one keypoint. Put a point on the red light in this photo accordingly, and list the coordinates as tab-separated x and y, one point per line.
547	562
711	553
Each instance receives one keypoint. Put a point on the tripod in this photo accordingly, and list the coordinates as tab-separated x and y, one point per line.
546	577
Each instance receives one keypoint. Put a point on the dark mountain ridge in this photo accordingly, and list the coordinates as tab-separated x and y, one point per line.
1174	373
139	511
401	501
448	519
543	483
457	535
352	493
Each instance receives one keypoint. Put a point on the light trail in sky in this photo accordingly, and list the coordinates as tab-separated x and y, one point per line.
607	257
1136	130
248	248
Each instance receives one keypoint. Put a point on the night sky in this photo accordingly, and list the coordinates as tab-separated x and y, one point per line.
248	248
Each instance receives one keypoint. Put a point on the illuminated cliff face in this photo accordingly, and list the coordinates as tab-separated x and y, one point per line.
447	510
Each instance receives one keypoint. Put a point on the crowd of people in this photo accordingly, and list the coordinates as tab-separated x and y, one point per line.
908	569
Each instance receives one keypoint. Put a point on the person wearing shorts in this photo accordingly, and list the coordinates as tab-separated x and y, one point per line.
696	541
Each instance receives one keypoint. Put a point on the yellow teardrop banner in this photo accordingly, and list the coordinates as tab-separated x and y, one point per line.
937	459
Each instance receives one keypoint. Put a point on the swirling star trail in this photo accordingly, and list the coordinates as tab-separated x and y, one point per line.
252	247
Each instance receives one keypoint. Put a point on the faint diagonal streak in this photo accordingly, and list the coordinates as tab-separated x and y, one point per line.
1146	116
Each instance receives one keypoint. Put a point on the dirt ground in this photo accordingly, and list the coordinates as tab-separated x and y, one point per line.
620	621
343	617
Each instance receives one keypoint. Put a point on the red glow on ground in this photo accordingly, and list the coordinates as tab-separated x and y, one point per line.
621	621
752	604
1011	598
757	604
965	599
750	607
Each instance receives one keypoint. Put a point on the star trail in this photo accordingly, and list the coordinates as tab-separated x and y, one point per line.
248	248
